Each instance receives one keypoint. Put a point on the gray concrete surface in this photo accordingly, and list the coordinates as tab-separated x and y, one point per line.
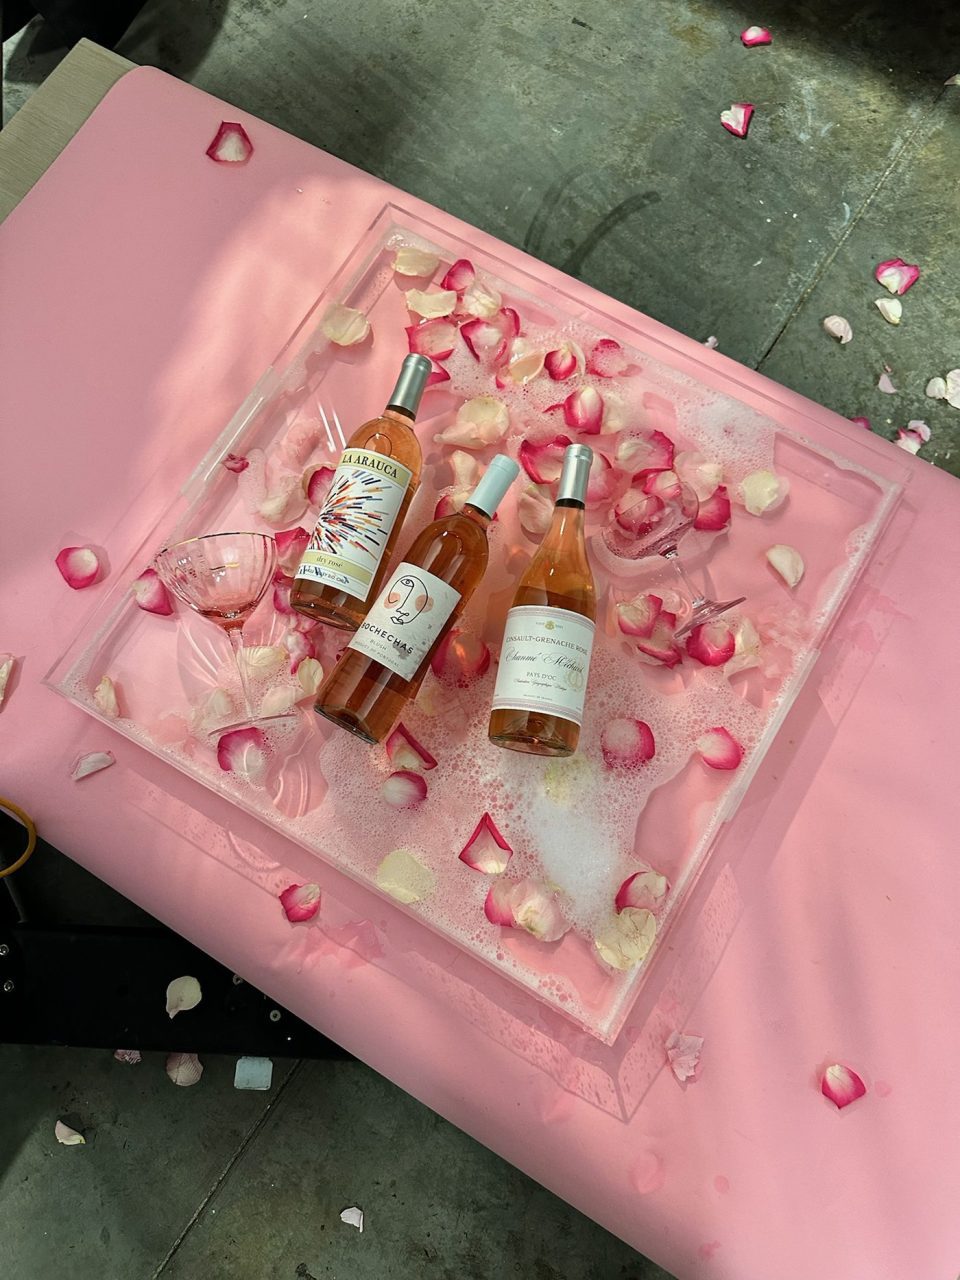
586	131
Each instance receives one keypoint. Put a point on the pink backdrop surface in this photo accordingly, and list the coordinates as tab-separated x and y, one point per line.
144	291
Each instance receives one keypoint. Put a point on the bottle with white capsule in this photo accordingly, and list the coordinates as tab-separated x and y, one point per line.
547	643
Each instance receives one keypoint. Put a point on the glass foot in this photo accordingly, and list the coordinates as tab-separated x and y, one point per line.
706	611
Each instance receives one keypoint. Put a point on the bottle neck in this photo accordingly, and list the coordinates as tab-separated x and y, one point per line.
566	523
403	416
476	515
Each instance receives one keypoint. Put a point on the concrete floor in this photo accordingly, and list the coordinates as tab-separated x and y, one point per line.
588	132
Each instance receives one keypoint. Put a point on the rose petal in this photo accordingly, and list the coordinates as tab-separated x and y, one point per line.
919	428
644	890
79	566
719	749
231	144
661	645
524	363
890	308
345	326
300	902
460	658
291	544
838	328
714	514
936	389
908	440
762	491
564	361
437	374
885	384
583	410
105	698
353	1217
310	676
182	994
862	422
404	877
278	701
486	850
841	1085
481	301
609	360
543	460
662	484
404	789
465	467
628	938
7	664
430	305
315	483
641	452
952	387
603	481
409	261
150	593
299	646
491	338
626	743
184	1069
244	752
683	1054
954	79
405	752
450	503
746	648
526	904
787	561
638	617
897	276
497	906
711	643
92	762
479	422
66	1136
130	1057
433	338
736	119
754	36
702	474
535	510
235	462
460	276
284	503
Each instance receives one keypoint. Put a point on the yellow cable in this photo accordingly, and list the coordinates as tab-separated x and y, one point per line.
31	826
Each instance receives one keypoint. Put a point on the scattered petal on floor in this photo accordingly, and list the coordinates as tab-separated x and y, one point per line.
67	1136
936	389
755	35
862	422
92	762
184	1069
838	328
183	994
712	342
890	308
128	1056
841	1085
953	388
683	1054
885	385
353	1217
736	119
897	276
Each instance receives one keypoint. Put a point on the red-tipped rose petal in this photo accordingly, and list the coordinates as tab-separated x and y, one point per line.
637	512
460	658
150	593
450	503
583	411
526	904
244	752
437	374
719	749
609	360
861	422
714	514
404	789
282	587
712	643
535	510
235	462
644	890
702	474
498	907
509	321
405	752
662	484
486	850
92	762
291	544
683	1054
315	483
603	481
736	119
299	646
231	145
484	338
754	36
543	461
460	276
300	902
841	1085
627	743
433	338
638	617
661	645
563	362
79	566
480	300
640	452
896	275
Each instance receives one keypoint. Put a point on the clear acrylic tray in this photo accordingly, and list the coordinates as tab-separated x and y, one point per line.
574	823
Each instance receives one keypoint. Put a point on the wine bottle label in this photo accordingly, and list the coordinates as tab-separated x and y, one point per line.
412	611
355	522
544	662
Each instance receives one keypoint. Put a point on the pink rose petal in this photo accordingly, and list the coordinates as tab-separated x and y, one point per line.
626	743
736	119
411	261
460	658
66	1136
526	904
345	326
535	510
8	663
662	484
481	301
524	362
498	907
490	339
712	342
104	697
430	304
885	385
405	752
486	850
231	144
841	1085
714	514
433	338
896	275
315	483
609	360
404	789
92	762
703	475
300	902
603	481
79	566
437	375
645	890
583	411
130	1057
683	1054
235	462
460	276
291	544
299	646
719	749
244	752
184	1069
661	645
151	595
754	36
183	994
638	617
563	362
479	422
640	452
543	461
862	422
712	643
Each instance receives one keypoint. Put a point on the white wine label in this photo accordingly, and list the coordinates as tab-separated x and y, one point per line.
403	624
355	522
544	662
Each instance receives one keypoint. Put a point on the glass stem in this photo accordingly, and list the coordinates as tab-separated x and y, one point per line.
235	635
673	556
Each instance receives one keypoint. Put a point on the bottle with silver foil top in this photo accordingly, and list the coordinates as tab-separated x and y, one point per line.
410	385
575	474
